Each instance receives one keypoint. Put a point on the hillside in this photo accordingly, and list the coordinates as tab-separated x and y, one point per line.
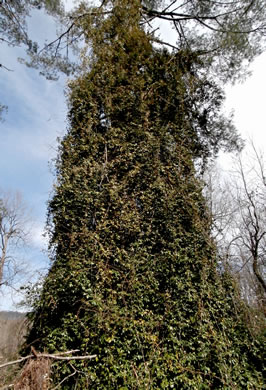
12	330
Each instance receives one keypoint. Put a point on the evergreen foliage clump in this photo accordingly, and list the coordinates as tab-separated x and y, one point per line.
134	277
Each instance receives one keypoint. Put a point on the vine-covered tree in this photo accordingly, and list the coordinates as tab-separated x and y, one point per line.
134	277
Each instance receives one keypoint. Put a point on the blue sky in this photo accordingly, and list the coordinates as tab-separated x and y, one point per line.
37	117
28	140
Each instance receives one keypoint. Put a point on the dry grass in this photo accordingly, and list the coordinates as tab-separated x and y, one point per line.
35	375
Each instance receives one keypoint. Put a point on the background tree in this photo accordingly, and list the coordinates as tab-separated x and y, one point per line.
250	237
14	232
13	21
239	222
134	277
3	109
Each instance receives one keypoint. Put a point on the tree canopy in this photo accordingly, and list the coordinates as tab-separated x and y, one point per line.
227	34
13	20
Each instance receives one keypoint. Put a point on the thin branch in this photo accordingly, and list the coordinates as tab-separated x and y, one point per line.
3	66
13	15
58	39
164	43
260	162
65	33
164	10
63	380
188	16
103	2
245	263
6	41
75	371
171	16
248	7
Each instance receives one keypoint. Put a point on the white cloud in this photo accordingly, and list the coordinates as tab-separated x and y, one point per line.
248	101
38	237
69	4
36	111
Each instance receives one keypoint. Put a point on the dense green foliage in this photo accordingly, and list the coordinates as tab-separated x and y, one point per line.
134	276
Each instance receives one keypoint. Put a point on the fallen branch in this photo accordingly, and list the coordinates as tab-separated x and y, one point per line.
57	356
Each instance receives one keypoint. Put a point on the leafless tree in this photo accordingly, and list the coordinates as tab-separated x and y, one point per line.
14	232
238	212
250	237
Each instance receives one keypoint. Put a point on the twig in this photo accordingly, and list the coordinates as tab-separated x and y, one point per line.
164	43
3	66
75	371
70	27
63	380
